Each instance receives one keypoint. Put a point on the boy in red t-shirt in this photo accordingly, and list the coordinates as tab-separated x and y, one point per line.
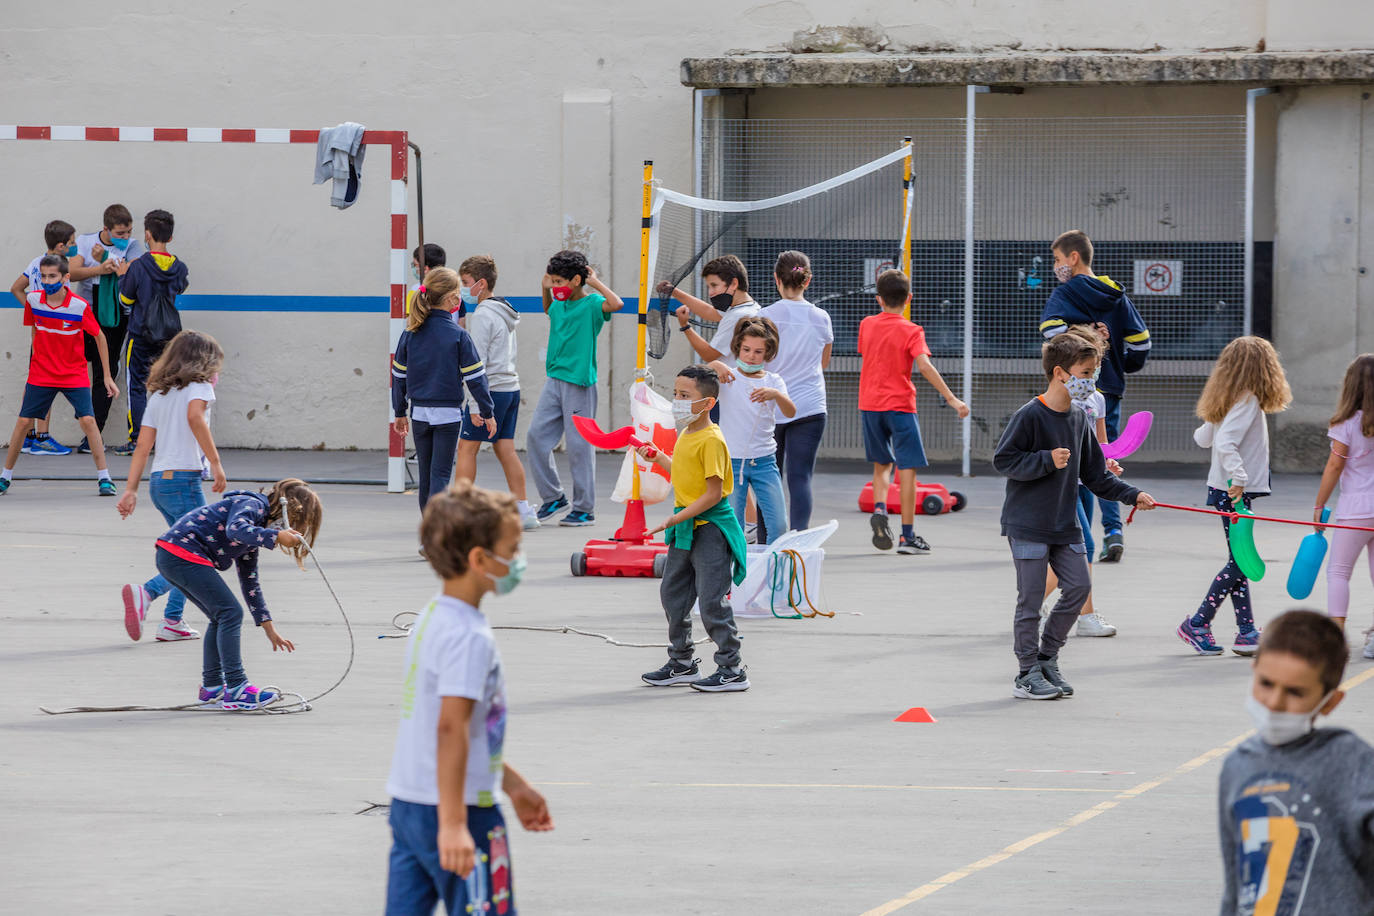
58	365
889	345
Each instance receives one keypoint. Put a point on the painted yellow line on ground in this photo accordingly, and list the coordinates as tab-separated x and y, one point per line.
945	880
831	785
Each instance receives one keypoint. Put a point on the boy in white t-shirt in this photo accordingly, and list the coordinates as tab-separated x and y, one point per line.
448	836
727	287
751	398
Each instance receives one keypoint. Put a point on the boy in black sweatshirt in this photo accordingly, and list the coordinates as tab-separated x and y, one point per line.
1046	449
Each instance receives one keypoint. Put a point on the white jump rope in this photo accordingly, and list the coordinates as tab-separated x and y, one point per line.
277	706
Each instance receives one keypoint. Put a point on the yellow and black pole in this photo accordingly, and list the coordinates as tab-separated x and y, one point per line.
646	218
641	342
906	221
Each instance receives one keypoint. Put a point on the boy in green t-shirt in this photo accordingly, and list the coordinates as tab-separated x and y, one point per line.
576	316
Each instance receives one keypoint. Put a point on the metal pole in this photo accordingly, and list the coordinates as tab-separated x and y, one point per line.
904	259
419	208
1248	321
970	117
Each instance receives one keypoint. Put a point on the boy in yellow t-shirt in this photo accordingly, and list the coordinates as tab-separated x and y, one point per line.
706	551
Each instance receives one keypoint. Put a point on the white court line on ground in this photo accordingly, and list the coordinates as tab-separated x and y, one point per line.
945	880
828	785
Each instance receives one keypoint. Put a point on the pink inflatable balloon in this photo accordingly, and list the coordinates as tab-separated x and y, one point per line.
1132	437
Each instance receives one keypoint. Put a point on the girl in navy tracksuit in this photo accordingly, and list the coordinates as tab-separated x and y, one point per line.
230	532
434	359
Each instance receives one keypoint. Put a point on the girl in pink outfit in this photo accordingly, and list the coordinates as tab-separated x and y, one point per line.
1352	463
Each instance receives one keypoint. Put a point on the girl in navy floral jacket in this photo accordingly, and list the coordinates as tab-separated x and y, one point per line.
212	538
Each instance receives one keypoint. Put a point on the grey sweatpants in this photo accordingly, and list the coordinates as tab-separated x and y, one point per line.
700	574
558	403
1070	564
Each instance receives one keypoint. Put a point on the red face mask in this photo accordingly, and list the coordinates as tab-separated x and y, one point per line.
561	293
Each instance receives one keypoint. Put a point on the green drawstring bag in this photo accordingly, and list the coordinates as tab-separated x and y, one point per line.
108	311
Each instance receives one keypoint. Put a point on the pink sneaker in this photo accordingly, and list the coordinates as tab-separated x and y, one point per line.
136	602
173	630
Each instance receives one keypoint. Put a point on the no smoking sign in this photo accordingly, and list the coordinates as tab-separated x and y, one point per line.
1158	278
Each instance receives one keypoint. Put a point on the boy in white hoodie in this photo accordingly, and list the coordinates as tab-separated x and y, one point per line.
491	321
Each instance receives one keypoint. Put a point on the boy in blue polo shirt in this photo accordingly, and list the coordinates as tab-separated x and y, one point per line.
576	317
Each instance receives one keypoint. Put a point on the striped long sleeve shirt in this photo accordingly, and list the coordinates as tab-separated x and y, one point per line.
433	363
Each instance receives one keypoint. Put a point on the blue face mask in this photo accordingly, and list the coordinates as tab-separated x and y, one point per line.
465	293
51	288
748	368
515	571
118	243
71	251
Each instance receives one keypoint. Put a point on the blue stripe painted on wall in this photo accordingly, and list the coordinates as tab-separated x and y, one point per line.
193	302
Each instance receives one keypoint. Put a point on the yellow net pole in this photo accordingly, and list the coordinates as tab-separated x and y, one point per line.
641	344
906	220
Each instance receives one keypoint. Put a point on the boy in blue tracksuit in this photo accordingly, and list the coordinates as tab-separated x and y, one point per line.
434	359
1083	297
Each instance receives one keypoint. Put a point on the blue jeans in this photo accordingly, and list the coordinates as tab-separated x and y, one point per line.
1085	519
222	659
415	881
762	475
1111	509
173	497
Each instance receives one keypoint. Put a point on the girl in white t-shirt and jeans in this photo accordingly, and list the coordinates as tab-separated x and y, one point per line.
751	399
1351	463
805	338
181	389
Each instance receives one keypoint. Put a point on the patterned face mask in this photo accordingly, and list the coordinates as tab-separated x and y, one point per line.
1080	388
1062	272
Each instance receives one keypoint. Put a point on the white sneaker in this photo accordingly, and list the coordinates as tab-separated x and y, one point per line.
136	601
1369	643
173	630
751	533
1094	625
529	520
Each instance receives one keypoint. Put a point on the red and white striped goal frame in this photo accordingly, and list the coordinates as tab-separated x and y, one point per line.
396	139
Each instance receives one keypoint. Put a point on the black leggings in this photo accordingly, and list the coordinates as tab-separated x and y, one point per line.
436	446
798	442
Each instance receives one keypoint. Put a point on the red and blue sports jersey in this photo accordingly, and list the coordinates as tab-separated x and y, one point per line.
59	351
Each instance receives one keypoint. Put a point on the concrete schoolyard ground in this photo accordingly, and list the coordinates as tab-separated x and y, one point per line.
801	796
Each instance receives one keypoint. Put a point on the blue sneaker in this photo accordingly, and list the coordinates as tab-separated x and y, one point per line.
577	519
246	696
83	447
557	504
47	445
107	487
124	450
1199	638
211	696
4	486
1246	644
29	441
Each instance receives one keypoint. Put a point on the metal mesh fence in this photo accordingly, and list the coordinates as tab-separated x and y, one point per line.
1161	197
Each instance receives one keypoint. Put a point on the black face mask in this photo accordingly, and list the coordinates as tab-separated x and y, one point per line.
722	301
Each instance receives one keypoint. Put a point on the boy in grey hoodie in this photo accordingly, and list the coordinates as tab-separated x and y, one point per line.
491	321
1296	803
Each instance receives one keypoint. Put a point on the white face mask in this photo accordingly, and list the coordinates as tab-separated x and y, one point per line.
683	414
1278	728
1063	273
1080	388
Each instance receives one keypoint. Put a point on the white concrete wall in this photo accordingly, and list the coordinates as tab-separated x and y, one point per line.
534	124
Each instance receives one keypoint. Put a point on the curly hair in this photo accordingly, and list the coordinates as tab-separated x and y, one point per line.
568	264
190	357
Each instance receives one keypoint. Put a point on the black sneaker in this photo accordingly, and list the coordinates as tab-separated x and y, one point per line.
673	674
1113	546
577	519
913	544
882	534
723	682
557	504
84	448
124	450
1050	669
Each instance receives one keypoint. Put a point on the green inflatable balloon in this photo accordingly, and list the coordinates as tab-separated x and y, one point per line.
1242	539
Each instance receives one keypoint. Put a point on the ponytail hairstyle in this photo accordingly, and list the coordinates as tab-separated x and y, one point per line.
305	510
792	271
1357	393
190	357
438	285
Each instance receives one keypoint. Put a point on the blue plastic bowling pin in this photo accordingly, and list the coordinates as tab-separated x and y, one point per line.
1308	562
